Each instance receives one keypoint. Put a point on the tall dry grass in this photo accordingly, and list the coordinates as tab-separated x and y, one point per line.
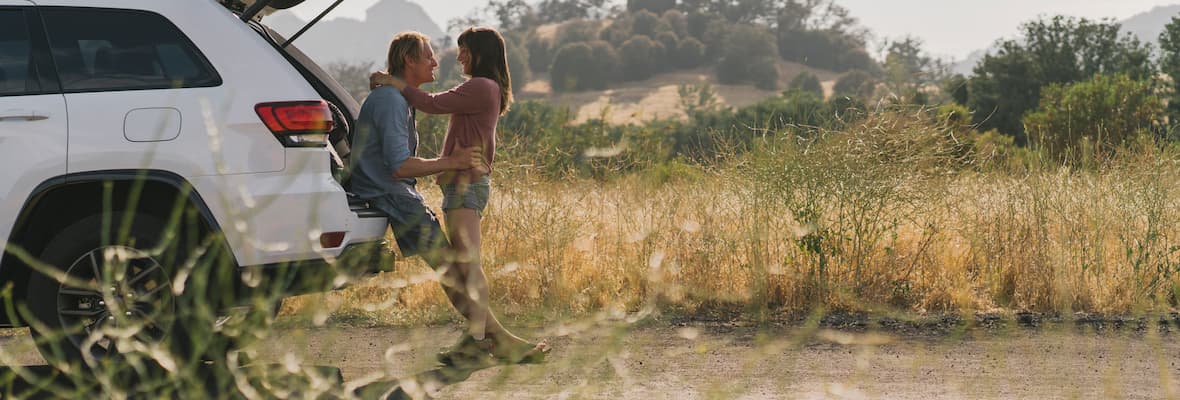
900	213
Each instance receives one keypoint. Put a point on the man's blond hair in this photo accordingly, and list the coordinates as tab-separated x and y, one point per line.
406	44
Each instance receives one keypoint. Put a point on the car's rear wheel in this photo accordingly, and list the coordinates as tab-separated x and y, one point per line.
111	292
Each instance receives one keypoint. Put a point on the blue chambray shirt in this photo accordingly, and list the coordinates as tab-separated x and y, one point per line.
386	135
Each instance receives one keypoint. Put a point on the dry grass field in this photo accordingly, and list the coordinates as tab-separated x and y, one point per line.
858	222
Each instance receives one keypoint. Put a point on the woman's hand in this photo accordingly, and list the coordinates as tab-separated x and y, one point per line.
382	78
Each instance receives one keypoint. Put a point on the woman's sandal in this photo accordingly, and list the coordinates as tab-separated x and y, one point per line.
535	355
466	352
474	353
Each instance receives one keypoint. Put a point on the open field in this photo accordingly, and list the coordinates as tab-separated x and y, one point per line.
1055	241
657	98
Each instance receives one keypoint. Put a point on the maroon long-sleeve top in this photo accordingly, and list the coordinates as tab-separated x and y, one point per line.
474	107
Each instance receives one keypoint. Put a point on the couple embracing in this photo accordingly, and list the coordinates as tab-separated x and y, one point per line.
385	168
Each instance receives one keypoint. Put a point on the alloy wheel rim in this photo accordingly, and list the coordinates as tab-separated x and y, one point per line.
124	294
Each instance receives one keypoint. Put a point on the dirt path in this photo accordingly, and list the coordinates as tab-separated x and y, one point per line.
724	362
703	362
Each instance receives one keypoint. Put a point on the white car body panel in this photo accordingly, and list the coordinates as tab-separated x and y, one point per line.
271	202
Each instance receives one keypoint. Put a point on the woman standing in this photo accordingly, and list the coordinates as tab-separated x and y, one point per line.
475	107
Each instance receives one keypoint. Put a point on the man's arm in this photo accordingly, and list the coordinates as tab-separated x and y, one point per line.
463	158
392	120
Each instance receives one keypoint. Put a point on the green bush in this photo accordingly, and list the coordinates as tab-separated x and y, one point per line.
956	89
616	33
1007	83
857	84
1091	120
641	57
648	24
824	49
670	40
690	53
584	65
577	31
518	63
541	52
677	21
710	135
654	6
698	23
806	82
764	73
747	56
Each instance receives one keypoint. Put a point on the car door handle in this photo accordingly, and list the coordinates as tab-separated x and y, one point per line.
25	117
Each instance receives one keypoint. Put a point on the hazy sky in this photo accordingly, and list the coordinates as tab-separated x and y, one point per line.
948	27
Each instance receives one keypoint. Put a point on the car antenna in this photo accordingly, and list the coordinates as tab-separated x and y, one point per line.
254	9
313	22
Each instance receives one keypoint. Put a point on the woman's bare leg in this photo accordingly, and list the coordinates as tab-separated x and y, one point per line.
463	228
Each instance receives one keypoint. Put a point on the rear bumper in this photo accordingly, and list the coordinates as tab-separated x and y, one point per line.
276	218
318	275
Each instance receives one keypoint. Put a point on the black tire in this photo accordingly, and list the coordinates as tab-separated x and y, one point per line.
95	245
120	269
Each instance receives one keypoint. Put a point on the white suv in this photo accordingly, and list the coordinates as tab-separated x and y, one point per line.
159	155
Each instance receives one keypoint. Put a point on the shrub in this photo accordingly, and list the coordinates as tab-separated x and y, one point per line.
806	82
578	30
518	63
1091	120
690	53
540	52
617	32
857	84
824	49
646	23
764	73
654	6
640	57
670	40
955	88
677	21
1062	50
584	65
697	23
748	56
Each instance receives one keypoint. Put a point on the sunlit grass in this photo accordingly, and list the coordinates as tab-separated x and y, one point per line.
884	218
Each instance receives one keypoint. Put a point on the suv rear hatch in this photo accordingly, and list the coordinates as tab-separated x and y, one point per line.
345	107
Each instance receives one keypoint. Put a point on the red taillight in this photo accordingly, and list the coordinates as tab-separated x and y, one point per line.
332	240
297	123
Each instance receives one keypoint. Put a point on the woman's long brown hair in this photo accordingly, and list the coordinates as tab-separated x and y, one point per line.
489	60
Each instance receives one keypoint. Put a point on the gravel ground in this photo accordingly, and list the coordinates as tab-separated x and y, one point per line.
722	360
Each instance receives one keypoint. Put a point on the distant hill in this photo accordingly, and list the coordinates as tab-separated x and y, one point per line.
1147	26
351	40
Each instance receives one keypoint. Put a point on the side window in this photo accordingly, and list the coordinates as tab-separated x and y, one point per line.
18	73
104	50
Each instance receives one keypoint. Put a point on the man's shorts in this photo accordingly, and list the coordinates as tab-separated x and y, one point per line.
475	198
414	225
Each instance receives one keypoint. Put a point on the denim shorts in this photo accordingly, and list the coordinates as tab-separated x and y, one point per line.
475	198
414	225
